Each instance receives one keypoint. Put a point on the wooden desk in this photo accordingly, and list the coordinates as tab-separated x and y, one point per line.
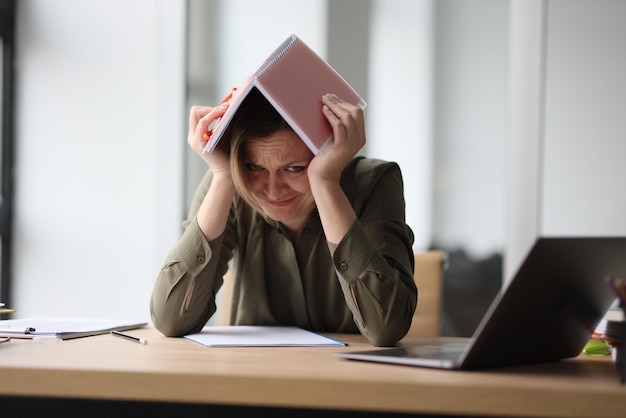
171	370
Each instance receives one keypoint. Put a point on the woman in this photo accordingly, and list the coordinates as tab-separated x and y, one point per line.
319	242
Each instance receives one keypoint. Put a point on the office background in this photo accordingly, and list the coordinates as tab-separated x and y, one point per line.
506	118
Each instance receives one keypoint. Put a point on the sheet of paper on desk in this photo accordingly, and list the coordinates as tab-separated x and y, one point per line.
260	336
63	328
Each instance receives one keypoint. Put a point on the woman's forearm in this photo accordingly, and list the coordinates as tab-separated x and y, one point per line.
336	213
214	210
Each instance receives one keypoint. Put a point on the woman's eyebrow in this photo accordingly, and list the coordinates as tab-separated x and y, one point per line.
299	162
291	163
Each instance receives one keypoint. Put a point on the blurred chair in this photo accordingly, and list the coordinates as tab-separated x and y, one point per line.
428	276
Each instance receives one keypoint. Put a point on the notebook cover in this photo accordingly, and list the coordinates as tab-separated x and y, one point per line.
293	79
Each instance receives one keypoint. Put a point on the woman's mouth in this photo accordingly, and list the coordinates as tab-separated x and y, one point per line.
279	203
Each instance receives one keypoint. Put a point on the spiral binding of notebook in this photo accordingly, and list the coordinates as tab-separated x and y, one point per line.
275	56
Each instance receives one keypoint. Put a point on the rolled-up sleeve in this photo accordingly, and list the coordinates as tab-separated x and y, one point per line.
193	265
190	266
374	263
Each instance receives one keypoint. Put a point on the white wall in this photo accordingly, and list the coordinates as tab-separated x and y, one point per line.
525	129
400	102
99	145
567	124
470	113
267	24
584	160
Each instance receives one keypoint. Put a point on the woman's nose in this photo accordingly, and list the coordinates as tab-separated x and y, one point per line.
274	185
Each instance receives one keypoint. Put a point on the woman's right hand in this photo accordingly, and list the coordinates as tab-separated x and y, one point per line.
200	118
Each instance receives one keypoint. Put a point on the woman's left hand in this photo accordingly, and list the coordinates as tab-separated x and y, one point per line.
349	137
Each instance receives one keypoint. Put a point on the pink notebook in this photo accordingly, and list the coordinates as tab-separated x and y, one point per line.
293	79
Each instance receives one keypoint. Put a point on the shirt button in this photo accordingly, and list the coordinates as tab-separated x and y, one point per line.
200	259
343	266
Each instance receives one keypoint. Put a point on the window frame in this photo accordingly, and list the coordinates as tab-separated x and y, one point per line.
7	33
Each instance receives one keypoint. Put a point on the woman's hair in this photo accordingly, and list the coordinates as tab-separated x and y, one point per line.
256	118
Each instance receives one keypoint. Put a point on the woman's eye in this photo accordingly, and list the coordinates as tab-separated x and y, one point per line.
296	168
252	167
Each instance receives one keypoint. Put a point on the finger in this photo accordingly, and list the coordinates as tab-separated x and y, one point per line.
348	113
346	120
195	114
335	122
335	102
207	122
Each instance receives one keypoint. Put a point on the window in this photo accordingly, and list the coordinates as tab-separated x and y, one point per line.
7	53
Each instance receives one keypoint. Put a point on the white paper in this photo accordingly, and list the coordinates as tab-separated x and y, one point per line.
64	327
260	336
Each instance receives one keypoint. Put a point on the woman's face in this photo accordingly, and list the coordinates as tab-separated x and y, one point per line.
276	174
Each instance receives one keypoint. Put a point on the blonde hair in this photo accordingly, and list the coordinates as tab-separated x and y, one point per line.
256	119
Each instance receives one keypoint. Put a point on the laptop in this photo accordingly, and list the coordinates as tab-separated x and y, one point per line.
546	312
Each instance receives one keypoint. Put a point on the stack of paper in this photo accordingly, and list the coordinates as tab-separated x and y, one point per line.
62	328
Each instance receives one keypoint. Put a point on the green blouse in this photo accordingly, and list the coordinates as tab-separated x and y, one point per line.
363	284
